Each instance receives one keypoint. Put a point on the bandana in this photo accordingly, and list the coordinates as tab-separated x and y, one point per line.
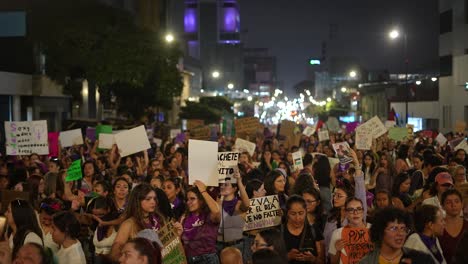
230	206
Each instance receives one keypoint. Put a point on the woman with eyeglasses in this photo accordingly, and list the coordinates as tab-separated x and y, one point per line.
388	233
429	223
315	215
270	239
351	242
303	245
23	226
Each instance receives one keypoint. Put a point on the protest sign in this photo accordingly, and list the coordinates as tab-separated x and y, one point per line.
8	195
343	151
323	135
460	126
24	138
227	165
297	160
374	127
333	124
53	139
263	212
71	137
441	139
106	141
390	123
149	134
357	244
173	250
244	145
309	131
91	133
398	133
454	143
410	130
180	138
103	129
132	141
351	127
158	141
74	171
203	162
175	132
287	128
193	123
462	145
363	139
201	133
246	125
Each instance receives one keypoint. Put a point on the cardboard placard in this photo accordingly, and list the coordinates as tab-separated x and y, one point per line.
203	162
363	139
297	160
175	132
374	127
333	124
53	139
227	164
132	141
70	138
323	135
343	151
173	250
106	141
390	123
441	139
462	145
357	244
242	145
24	138
246	125
103	129
263	212
201	133
287	128
74	171
309	131
410	130
91	133
398	133
193	123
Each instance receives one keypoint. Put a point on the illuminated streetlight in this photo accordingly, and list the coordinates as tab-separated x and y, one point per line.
230	86
394	34
352	74
434	79
418	82
249	98
169	38
343	89
328	99
202	91
215	74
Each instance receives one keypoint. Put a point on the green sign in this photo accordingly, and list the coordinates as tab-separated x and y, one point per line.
74	171
398	133
103	129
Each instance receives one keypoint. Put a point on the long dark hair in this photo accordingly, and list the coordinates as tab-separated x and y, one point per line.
335	212
269	182
147	248
26	222
401	178
273	237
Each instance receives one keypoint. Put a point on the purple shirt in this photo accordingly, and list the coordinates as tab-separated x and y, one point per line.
199	236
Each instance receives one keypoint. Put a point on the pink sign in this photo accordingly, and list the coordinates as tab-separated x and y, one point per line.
53	138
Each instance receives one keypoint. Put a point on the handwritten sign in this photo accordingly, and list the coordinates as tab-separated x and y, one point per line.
246	125
363	139
242	145
200	133
297	160
74	171
357	244
227	164
398	133
323	135
309	131
24	138
193	123
441	139
203	162
374	127
71	137
132	141
263	212
463	145
173	250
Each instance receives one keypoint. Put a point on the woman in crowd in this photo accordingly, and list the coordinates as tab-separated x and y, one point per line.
429	223
303	245
368	167
275	184
400	189
321	171
66	230
271	239
140	251
443	182
104	235
388	233
142	212
315	215
417	176
36	188
402	163
173	187
338	250
384	175
47	209
455	225
200	226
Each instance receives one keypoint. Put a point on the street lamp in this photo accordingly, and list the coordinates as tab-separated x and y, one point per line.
215	74
343	89
169	38
352	74
230	86
394	34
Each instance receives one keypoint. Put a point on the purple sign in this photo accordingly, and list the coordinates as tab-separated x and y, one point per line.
91	133
350	127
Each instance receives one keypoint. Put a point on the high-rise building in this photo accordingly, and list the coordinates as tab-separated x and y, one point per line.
259	71
213	36
453	52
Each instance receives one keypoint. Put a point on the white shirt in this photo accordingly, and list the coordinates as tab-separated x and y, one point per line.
31	237
414	242
71	254
104	246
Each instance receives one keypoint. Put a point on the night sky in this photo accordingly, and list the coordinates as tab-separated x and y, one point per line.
294	30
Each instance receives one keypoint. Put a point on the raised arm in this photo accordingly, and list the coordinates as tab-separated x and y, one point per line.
215	212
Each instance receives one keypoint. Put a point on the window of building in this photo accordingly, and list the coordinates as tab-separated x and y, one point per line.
445	65
446	21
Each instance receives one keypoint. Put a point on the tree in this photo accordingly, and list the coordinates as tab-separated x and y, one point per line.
209	109
86	39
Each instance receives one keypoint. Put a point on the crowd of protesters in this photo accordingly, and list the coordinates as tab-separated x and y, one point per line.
406	196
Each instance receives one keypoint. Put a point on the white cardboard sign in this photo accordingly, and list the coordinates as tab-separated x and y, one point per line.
227	164
297	160
203	162
363	139
71	137
242	145
309	131
106	141
463	145
441	139
323	135
24	138
374	127
132	141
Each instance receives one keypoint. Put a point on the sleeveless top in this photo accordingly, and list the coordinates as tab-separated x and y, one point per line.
231	227
104	246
